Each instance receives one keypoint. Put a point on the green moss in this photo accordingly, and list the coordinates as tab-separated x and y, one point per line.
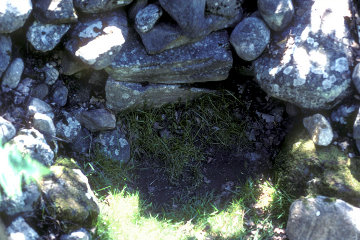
66	162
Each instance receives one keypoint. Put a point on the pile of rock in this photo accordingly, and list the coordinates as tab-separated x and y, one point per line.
142	51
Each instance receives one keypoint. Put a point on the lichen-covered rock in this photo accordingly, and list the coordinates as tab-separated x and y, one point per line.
45	37
12	75
80	234
38	106
55	11
97	42
69	64
319	129
5	52
51	74
304	168
97	6
68	128
212	62
13	14
323	218
23	90
227	8
98	120
308	64
19	229
60	95
69	198
7	130
147	17
276	13
40	91
44	124
135	7
121	96
250	38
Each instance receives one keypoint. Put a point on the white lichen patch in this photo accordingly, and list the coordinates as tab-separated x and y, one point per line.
299	81
90	32
341	65
123	142
327	83
288	70
125	96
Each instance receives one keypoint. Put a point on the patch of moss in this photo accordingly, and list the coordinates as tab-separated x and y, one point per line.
66	162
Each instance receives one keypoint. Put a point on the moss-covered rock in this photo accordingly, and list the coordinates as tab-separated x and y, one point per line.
69	199
66	162
304	168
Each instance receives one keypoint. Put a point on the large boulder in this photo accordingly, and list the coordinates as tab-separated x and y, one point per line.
206	60
97	42
323	218
308	64
13	14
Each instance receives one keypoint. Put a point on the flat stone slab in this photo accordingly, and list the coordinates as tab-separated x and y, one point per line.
207	60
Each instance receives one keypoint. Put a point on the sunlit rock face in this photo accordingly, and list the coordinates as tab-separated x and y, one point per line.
308	63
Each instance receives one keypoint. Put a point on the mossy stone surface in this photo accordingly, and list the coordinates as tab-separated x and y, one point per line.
304	168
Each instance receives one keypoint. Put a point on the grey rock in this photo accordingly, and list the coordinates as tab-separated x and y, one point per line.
13	14
45	37
97	6
98	78
40	91
32	142
23	90
147	17
5	52
55	11
68	128
80	234
12	75
19	229
60	95
51	74
25	203
121	96
98	120
343	113
250	38
82	142
44	124
319	129
212	62
70	64
7	130
96	42
36	105
114	145
308	65
276	13
135	7
356	77
227	8
356	127
322	218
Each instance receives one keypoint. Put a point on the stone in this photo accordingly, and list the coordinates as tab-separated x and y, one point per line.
97	42
60	95
12	75
45	37
113	145
25	203
212	62
250	38
121	96
356	77
40	91
32	142
51	74
319	129
13	14
323	218
19	229
226	8
36	105
81	144
135	7
7	130
5	52
80	234
147	17
97	120
356	127
55	11
44	124
276	13
23	90
97	6
307	63
68	128
70	64
69	198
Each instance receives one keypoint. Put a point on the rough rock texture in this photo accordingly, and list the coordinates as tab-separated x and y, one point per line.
319	129
250	38
51	74
32	142
19	229
212	62
38	106
96	42
121	96
68	128
135	7
356	77
98	120
23	90
68	197
5	52
13	74
44	37
307	64
276	13
40	91
7	130
113	144
13	14
97	6
147	17
80	234
70	64
55	11
82	142
44	124
60	95
227	8
323	218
